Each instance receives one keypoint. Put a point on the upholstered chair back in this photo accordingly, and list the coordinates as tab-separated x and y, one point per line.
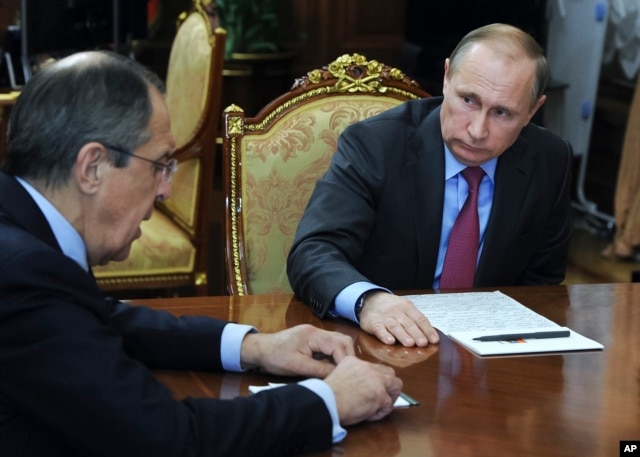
272	161
173	249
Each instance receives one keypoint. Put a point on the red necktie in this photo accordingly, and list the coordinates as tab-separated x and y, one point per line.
459	266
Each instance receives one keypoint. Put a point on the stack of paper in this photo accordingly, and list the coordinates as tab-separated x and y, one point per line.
519	343
465	317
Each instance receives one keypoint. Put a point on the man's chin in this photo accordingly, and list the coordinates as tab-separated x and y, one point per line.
471	158
118	257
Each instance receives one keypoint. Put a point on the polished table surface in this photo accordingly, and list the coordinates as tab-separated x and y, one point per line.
576	404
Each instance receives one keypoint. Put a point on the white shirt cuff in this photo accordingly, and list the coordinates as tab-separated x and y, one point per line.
345	303
231	343
323	390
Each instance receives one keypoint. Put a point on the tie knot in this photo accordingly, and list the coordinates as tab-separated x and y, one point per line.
473	176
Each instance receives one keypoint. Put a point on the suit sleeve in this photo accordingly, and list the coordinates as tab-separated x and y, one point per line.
321	260
64	372
549	260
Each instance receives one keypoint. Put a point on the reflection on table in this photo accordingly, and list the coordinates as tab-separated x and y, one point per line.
579	404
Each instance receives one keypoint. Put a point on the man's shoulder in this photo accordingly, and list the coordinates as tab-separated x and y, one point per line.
22	250
541	144
409	115
534	132
412	110
31	269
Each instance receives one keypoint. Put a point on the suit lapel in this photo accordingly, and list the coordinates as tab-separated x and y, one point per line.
425	169
512	179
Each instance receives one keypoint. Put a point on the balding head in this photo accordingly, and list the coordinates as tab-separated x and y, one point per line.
509	41
90	96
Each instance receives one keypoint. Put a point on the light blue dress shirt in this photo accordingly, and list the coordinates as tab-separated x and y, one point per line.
73	246
455	193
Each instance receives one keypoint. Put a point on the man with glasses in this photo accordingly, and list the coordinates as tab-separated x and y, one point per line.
89	152
167	169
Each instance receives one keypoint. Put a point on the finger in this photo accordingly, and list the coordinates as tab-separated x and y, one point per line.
393	386
383	411
322	369
400	330
341	352
384	335
311	367
422	335
427	334
334	345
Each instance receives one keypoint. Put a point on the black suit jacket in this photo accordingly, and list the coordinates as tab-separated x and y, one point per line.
73	366
376	214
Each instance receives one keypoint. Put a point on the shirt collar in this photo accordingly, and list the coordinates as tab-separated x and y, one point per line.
68	238
452	167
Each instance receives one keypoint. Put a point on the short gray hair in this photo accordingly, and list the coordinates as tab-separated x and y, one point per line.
94	96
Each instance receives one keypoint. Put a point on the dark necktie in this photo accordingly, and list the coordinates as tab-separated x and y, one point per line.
459	266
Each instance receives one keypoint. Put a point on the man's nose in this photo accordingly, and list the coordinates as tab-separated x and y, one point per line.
164	190
478	127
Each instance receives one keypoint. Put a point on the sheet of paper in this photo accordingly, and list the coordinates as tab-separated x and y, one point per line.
574	342
467	315
468	311
402	401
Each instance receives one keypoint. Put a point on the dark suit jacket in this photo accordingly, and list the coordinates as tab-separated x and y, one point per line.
73	366
376	215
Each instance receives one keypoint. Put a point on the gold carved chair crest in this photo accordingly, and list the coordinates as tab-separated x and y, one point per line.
271	162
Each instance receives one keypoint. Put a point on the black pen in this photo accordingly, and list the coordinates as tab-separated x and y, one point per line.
525	336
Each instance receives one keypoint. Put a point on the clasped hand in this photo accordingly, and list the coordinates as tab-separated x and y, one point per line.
363	390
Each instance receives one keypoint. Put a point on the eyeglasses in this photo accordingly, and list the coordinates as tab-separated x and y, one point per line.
168	169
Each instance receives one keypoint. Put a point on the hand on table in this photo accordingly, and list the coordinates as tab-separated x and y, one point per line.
394	318
363	390
303	350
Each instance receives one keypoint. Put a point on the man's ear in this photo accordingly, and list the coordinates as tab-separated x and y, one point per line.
536	107
445	79
89	167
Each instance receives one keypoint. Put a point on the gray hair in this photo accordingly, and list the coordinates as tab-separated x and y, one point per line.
93	96
506	39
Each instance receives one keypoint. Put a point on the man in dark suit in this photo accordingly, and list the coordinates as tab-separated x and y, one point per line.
89	152
380	219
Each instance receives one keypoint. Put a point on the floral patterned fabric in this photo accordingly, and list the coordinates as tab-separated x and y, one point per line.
163	248
187	77
279	171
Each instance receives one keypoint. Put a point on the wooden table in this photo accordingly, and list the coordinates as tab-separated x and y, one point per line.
579	404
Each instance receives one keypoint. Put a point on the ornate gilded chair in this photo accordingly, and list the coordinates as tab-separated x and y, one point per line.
173	249
271	162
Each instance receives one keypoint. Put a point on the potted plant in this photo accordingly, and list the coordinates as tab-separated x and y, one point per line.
253	26
260	48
